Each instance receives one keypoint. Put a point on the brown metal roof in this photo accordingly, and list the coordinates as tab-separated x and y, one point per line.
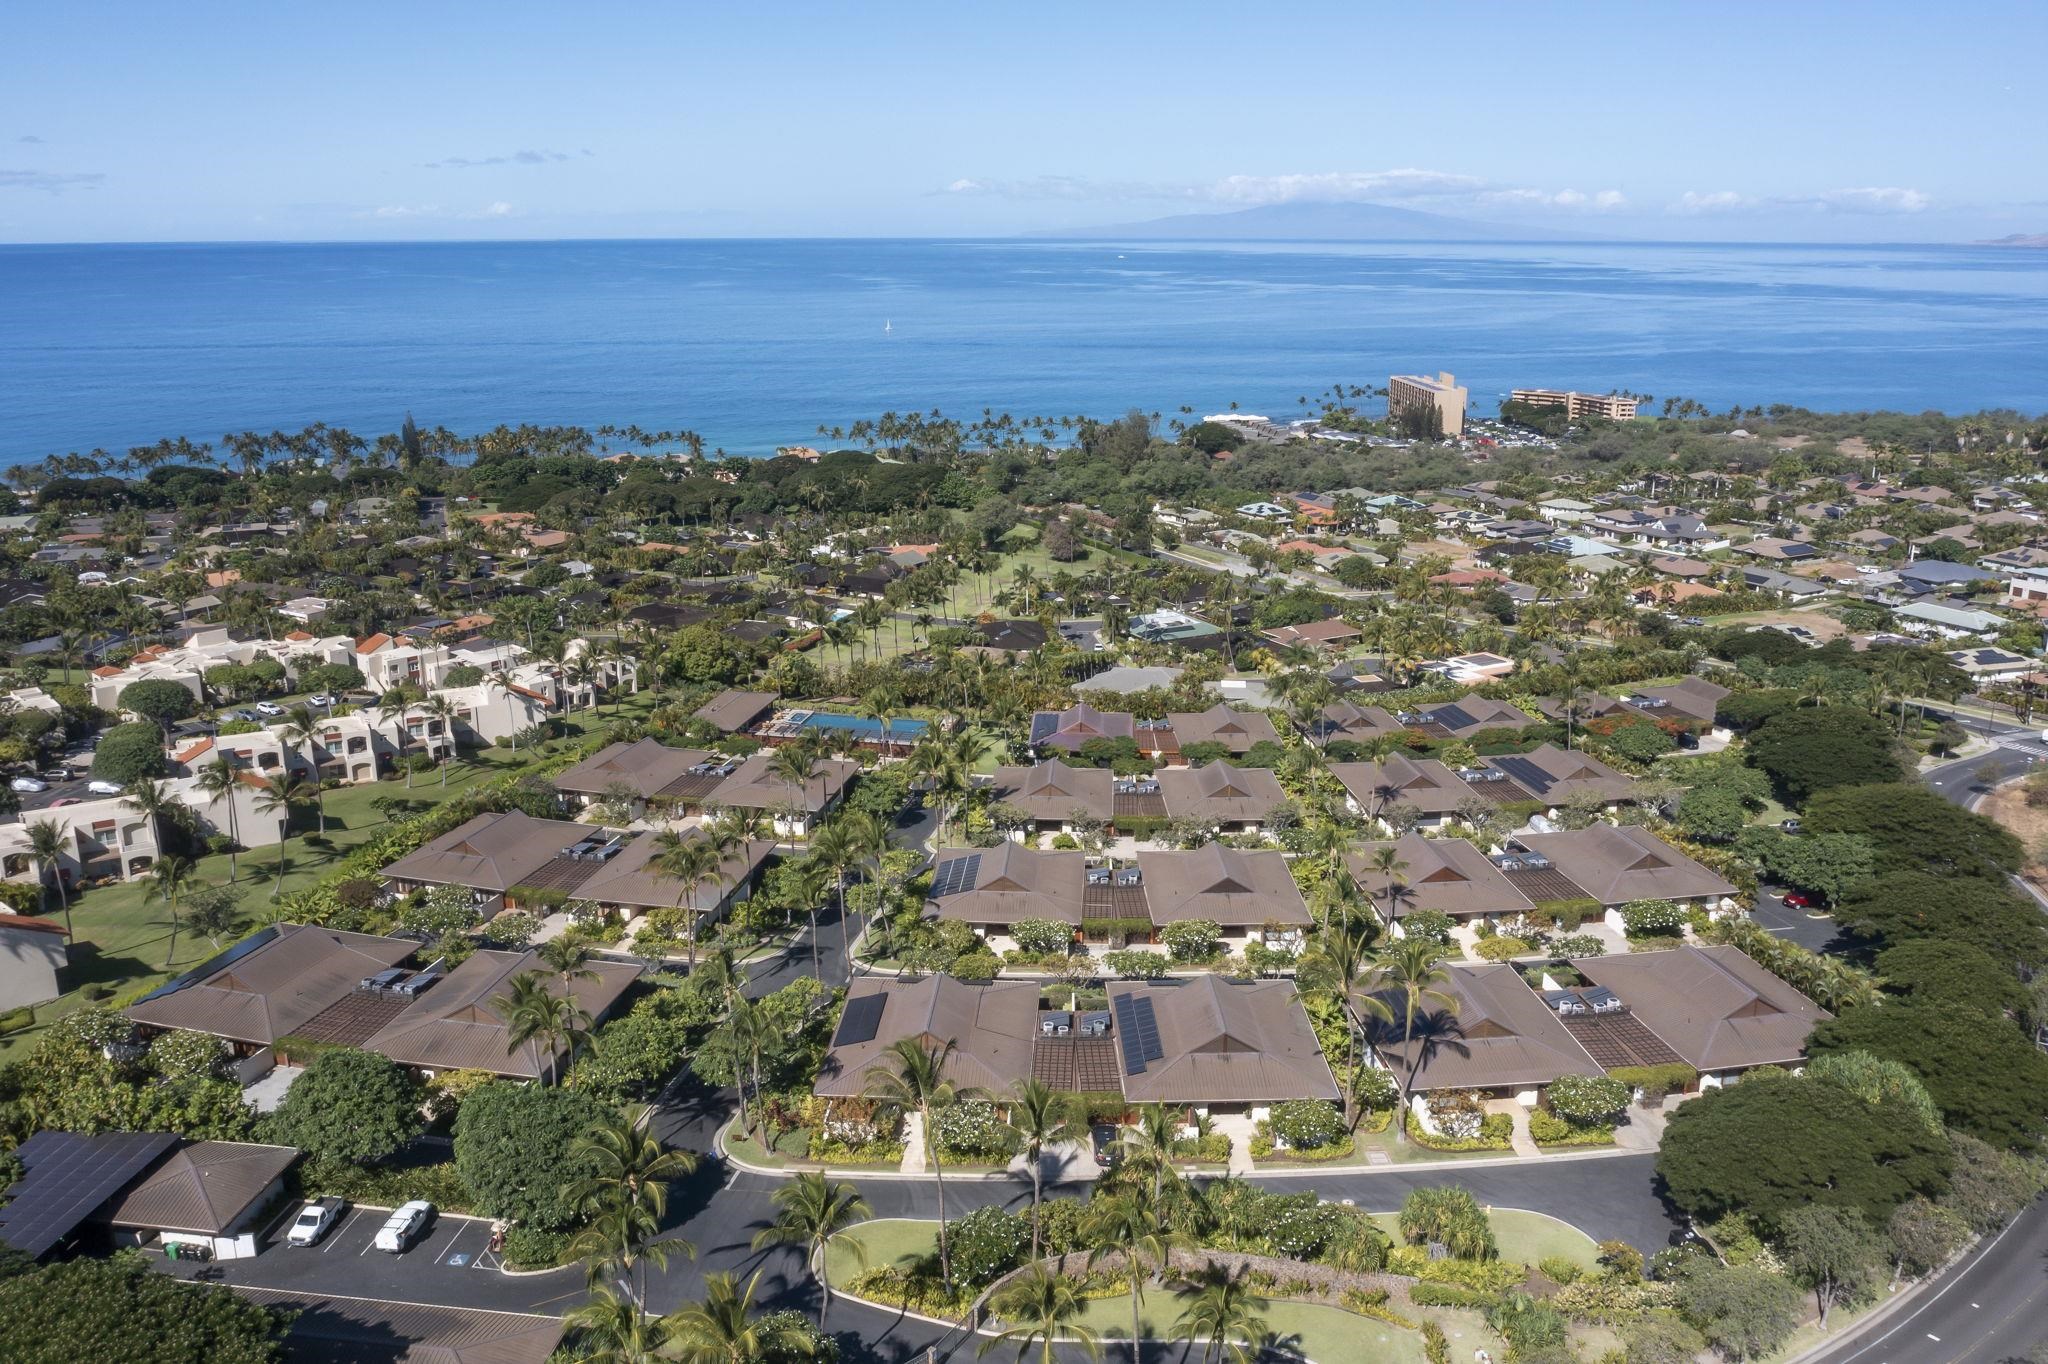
645	766
753	786
276	989
456	1023
1010	883
1618	863
1238	729
1232	886
1714	1006
1500	1034
993	1027
369	1331
203	1188
1422	784
1445	874
733	711
1221	792
493	852
1227	1042
631	880
1079	1065
1050	791
353	1019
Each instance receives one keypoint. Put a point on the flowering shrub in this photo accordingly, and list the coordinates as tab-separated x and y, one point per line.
1041	937
1588	1098
1193	939
1306	1124
1653	919
1456	1112
1430	925
971	1128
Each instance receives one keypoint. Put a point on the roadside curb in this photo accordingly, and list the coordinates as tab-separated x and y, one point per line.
1884	1311
724	1153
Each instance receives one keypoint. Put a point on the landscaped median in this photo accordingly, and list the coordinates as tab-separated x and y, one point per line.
1349	1286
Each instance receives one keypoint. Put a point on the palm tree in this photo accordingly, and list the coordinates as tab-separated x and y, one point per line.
47	842
612	1329
440	708
1150	1143
220	780
1039	1117
626	1195
1342	967
507	688
532	1012
567	957
690	861
751	1032
1042	1306
298	732
914	1080
397	702
722	1329
809	1211
837	846
809	879
171	874
796	764
1226	1312
153	801
1415	972
280	795
1129	1226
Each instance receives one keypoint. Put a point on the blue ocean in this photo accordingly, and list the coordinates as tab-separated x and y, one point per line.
754	344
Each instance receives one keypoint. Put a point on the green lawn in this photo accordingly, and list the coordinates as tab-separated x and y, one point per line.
1525	1236
1327	1335
887	1241
122	934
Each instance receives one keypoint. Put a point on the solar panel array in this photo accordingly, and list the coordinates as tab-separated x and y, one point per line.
69	1175
1044	724
1450	717
1137	1030
1525	773
955	875
860	1022
212	966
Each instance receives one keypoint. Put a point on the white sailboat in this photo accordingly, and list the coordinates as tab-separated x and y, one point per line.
887	327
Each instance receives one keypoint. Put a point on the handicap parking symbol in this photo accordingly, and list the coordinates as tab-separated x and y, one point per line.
458	1260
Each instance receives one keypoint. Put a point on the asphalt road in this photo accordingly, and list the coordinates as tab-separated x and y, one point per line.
1815	932
1992	1307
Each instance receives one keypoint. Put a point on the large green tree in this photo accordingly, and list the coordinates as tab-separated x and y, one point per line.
122	1309
1769	1145
1973	911
1911	828
515	1147
128	753
1952	972
352	1106
1813	750
1980	1069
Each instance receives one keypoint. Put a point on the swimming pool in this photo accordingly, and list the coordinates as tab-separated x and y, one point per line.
900	731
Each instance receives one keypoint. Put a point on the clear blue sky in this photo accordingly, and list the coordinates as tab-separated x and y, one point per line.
1877	120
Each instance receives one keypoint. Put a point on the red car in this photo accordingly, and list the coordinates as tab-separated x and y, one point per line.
1798	899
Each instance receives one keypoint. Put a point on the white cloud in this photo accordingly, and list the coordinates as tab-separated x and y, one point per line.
1714	201
401	212
50	182
524	157
1569	200
500	209
1441	189
1339	187
1888	199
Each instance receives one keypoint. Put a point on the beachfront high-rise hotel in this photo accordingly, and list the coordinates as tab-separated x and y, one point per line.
1413	393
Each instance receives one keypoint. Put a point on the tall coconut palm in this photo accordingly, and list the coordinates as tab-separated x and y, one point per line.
1130	1227
1040	1116
612	1329
796	764
397	703
722	1329
440	708
220	780
299	733
1041	1307
809	1211
171	875
626	1195
280	795
1149	1143
505	687
532	1012
750	1032
1342	967
838	846
690	860
1414	972
152	800
47	843
1226	1313
810	880
913	1080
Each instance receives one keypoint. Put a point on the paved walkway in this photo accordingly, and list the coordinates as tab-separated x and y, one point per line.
1519	1141
913	1144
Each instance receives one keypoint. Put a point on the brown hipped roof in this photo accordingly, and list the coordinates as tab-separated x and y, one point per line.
754	786
1239	729
1618	863
1226	1042
276	988
1422	784
457	1024
1445	874
630	879
1714	1006
645	766
1232	886
733	711
202	1189
493	852
1500	1034
1220	792
1053	790
993	1028
1009	884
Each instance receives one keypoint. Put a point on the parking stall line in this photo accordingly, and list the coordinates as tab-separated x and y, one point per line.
335	1237
449	1249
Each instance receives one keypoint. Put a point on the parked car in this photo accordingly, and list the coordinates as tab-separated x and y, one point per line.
269	708
314	1221
1798	899
1108	1145
102	787
29	786
63	800
244	714
1791	826
322	698
406	1225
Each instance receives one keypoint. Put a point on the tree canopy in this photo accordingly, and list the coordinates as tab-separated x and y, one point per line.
1822	747
1983	1073
513	1147
1769	1145
121	1308
129	752
1909	906
352	1106
1911	828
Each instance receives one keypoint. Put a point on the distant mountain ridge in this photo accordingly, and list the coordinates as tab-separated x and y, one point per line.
2034	239
1319	222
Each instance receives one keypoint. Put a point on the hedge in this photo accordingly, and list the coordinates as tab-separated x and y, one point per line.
1656	1081
1495	1132
14	1020
1547	1129
1447	1295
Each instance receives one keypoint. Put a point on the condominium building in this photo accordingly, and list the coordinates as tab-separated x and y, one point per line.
1408	393
1606	406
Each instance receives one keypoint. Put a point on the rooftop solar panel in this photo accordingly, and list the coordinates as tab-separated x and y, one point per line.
1127	1035
69	1175
212	966
1525	773
1450	717
860	1022
1043	725
955	875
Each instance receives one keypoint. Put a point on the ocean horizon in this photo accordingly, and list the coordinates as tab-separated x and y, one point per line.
754	343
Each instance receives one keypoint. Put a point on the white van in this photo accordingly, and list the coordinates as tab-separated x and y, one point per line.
405	1226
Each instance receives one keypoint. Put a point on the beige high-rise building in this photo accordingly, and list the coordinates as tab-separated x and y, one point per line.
1417	393
1606	406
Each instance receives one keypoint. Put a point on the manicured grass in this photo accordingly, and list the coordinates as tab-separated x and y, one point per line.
789	1146
1327	1335
887	1241
1524	1236
122	933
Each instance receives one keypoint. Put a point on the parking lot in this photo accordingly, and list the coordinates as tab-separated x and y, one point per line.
449	1266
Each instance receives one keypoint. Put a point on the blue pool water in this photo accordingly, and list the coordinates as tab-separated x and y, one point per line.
900	731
